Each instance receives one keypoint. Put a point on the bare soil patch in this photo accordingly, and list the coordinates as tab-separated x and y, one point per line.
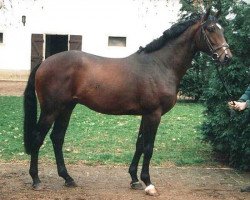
112	182
12	88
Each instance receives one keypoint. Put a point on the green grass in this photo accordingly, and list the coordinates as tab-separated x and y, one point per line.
102	139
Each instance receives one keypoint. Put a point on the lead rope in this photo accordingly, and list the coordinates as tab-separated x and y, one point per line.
230	96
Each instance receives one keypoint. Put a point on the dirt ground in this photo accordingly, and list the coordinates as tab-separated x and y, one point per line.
112	182
12	88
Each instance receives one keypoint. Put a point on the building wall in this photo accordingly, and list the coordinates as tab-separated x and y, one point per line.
140	21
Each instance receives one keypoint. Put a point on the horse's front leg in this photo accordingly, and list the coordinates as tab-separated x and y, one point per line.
150	126
135	184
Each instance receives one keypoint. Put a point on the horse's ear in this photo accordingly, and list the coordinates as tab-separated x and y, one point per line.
217	15
205	17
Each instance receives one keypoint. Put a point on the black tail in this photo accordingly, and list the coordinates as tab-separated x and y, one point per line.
30	111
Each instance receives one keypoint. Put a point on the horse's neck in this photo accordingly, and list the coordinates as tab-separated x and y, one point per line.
178	53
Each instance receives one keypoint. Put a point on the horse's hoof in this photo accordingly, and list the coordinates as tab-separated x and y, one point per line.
70	184
37	186
136	185
150	190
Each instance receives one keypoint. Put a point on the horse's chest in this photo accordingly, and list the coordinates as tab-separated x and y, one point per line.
167	102
158	92
159	99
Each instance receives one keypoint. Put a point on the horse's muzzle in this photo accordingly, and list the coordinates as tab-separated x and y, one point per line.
224	58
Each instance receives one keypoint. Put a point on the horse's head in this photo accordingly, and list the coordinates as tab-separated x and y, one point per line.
211	38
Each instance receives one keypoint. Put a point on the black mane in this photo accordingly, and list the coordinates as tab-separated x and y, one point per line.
173	32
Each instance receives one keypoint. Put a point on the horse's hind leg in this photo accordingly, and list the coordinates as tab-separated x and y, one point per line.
43	126
57	137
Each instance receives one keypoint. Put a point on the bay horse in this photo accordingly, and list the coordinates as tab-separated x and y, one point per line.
144	83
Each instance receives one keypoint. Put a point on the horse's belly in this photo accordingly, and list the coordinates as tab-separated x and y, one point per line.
108	103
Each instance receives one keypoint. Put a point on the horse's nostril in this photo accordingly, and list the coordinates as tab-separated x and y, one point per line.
227	58
215	56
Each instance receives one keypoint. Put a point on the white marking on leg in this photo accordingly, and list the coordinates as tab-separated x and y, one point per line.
150	187
150	190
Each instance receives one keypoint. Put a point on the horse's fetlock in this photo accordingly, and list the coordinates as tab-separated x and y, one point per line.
33	173
62	172
145	177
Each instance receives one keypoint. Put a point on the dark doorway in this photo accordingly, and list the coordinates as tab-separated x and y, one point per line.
55	44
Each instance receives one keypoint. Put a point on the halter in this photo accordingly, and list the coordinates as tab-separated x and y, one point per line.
212	49
215	56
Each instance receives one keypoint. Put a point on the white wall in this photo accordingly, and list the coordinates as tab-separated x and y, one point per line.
139	20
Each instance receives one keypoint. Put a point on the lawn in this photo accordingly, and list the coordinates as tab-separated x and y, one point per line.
102	139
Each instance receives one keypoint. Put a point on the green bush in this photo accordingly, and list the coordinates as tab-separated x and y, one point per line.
228	131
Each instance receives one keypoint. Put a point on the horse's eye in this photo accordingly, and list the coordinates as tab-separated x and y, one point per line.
211	28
